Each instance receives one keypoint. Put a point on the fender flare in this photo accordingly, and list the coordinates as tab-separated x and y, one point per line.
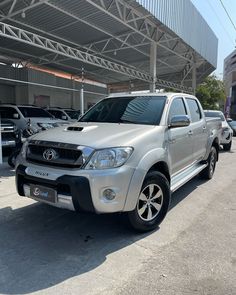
151	158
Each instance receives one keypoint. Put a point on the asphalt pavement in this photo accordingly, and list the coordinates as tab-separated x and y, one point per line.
45	250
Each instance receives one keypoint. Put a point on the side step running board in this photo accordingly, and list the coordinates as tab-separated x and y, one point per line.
180	179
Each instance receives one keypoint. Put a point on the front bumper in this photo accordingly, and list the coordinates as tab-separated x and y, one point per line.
78	189
8	140
226	137
8	143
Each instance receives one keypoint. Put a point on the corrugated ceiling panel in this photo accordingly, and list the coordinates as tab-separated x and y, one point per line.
183	18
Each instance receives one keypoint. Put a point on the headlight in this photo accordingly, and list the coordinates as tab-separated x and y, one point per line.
109	158
45	126
24	149
226	129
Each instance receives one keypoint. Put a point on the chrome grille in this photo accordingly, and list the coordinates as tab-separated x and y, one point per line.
68	155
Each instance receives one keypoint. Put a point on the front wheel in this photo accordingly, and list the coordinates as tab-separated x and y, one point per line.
208	172
153	203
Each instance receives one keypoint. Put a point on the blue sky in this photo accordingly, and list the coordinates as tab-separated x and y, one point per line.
217	19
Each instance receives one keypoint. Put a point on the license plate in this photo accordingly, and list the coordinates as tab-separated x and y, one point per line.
43	193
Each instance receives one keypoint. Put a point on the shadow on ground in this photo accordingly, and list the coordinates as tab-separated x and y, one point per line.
6	171
41	246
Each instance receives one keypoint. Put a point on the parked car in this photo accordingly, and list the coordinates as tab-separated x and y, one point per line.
227	133
8	133
65	114
126	154
20	115
232	124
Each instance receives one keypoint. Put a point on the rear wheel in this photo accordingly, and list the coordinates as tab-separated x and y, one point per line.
227	147
152	204
208	172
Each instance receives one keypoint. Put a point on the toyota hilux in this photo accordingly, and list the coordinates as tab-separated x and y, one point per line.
128	153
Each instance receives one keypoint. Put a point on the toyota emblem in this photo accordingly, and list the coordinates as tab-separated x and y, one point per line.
36	191
50	154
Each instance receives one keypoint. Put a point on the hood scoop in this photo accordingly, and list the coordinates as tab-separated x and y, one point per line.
74	128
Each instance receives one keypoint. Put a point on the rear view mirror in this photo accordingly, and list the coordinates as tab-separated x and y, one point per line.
63	117
16	116
179	121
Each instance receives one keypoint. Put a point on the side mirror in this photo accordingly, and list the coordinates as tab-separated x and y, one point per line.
229	120
179	121
63	117
16	116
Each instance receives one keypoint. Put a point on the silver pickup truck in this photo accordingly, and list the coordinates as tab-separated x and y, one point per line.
126	154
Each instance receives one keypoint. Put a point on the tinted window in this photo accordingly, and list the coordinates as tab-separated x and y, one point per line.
56	114
7	112
177	108
30	112
215	115
73	114
194	110
136	110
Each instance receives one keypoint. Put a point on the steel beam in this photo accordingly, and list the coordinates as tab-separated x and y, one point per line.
147	28
194	78
11	12
36	40
82	101
153	66
46	44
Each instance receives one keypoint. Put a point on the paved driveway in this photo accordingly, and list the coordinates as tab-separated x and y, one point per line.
52	251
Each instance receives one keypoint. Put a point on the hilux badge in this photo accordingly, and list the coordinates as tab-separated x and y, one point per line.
50	154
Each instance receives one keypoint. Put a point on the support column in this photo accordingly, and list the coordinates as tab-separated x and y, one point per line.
81	101
194	77
73	98
82	93
153	65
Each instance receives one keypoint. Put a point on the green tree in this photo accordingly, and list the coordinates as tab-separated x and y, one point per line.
211	93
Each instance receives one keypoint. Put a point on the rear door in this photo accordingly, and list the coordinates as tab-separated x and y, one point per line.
180	139
198	128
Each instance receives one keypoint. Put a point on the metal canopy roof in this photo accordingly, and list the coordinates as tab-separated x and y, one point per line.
109	39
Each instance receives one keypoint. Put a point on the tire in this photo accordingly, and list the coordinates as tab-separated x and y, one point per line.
208	172
153	203
227	147
12	159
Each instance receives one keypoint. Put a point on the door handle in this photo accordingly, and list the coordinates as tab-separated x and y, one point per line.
173	140
190	132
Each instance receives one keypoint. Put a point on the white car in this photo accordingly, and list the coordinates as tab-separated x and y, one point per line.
22	115
65	114
227	132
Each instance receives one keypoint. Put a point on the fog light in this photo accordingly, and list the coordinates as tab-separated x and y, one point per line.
109	194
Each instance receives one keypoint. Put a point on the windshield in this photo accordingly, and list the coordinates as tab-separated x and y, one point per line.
73	114
215	115
30	112
136	109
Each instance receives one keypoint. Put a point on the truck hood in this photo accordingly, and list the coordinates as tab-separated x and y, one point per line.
98	135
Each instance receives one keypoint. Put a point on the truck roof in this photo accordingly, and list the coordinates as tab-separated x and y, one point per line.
168	94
